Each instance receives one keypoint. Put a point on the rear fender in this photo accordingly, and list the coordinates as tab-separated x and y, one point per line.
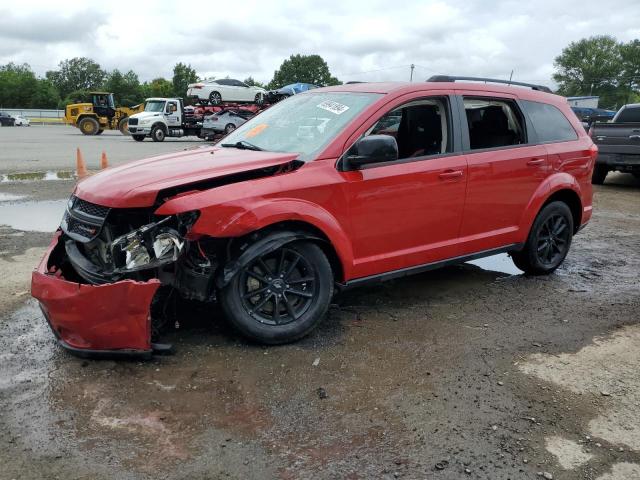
552	184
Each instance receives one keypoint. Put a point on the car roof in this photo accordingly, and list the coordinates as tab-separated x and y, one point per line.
399	88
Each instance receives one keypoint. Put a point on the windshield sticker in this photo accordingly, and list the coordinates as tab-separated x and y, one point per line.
255	131
333	107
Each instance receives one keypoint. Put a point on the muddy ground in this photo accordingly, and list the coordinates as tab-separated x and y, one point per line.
465	372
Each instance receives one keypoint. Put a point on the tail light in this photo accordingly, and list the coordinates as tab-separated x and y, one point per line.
197	86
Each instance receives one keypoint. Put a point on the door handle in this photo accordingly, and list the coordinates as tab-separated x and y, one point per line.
535	162
450	175
634	137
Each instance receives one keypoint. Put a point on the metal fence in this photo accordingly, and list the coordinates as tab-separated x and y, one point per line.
37	116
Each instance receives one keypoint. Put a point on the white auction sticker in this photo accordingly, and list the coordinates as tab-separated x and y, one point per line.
333	107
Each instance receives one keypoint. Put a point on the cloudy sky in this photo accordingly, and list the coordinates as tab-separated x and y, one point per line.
361	40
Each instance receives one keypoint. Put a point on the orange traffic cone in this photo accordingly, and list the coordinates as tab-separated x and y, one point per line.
81	167
104	163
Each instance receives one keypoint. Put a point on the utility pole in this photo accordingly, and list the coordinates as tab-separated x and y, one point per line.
411	77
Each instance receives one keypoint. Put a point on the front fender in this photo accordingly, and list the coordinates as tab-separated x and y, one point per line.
239	218
552	184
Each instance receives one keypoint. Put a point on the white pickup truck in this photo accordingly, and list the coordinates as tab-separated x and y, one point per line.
161	118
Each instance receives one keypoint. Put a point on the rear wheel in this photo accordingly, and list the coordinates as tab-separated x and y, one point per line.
158	134
280	296
138	138
548	242
599	174
215	98
123	126
89	126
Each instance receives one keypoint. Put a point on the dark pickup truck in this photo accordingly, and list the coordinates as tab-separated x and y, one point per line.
618	144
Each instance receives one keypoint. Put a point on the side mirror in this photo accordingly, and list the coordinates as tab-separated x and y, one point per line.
372	149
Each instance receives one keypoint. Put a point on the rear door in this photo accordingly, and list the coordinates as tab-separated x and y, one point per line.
505	169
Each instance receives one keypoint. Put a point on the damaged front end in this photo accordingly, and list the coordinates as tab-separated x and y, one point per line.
106	269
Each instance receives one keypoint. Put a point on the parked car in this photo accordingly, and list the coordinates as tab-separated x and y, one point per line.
21	121
215	92
6	120
619	143
274	96
590	115
225	121
306	198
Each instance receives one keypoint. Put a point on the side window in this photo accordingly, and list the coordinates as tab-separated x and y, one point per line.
628	115
493	123
223	81
549	122
420	127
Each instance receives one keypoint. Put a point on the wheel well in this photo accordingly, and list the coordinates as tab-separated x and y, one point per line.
572	200
159	124
325	244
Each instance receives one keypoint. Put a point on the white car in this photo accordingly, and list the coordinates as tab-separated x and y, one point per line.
21	121
225	90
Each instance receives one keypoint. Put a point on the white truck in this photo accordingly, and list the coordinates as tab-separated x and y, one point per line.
161	118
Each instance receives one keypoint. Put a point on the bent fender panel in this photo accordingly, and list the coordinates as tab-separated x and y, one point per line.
551	185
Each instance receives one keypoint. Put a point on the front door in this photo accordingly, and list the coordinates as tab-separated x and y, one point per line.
408	212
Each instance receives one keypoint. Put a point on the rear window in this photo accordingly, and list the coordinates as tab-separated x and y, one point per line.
549	122
628	115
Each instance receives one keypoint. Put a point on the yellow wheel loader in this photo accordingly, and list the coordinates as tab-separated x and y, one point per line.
100	115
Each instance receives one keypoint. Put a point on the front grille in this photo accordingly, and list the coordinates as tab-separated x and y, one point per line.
133	121
83	220
90	208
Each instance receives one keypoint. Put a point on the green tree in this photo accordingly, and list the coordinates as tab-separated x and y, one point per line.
303	68
79	73
183	75
126	88
630	53
158	87
254	83
592	66
45	96
18	85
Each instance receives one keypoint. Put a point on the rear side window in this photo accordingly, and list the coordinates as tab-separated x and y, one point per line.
549	122
493	123
629	115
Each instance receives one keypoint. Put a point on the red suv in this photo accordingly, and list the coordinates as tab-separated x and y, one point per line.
331	188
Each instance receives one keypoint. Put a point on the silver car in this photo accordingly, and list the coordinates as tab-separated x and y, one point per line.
224	121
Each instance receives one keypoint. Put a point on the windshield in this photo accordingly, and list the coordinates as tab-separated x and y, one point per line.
303	123
154	106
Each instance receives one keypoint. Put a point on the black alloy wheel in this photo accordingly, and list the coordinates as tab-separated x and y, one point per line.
549	240
281	295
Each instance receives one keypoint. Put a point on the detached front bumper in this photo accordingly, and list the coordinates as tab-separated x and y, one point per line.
95	320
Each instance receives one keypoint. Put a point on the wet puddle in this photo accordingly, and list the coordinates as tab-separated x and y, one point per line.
501	263
42	216
10	197
37	176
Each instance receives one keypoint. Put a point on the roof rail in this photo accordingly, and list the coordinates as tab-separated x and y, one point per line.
450	78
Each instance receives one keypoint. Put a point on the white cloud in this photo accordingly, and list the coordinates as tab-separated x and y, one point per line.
361	40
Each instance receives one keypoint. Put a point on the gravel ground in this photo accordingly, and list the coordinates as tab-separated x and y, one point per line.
458	373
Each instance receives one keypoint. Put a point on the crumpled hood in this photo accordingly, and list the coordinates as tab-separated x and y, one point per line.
136	184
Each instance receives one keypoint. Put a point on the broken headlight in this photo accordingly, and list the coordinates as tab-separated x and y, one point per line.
149	246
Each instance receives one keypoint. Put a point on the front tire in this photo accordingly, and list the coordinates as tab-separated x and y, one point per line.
548	242
259	99
138	138
229	128
599	174
280	296
158	134
89	126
